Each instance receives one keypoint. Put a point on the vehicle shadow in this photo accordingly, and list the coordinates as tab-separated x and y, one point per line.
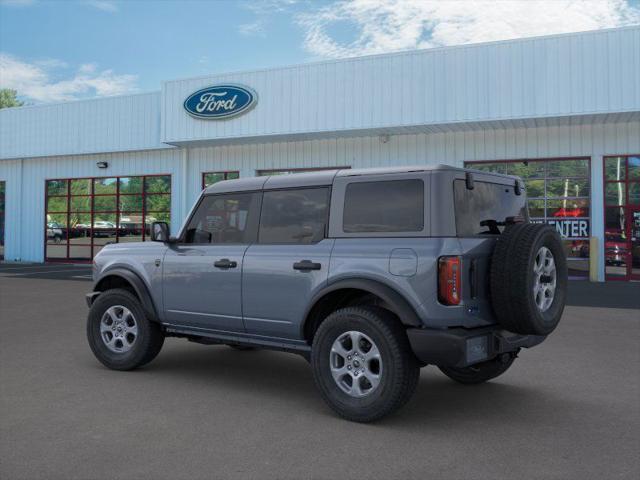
438	401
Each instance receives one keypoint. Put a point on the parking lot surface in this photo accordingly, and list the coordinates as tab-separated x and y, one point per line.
567	409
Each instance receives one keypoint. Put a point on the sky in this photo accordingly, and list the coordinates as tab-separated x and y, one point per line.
59	50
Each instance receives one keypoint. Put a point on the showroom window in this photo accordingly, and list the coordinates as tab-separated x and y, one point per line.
85	214
209	178
622	217
559	194
2	210
287	171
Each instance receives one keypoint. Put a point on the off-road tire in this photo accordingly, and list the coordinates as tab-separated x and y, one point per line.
400	373
481	372
148	342
512	279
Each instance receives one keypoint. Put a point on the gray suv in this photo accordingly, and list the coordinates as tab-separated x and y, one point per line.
369	274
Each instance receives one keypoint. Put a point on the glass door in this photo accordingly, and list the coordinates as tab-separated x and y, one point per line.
622	217
634	242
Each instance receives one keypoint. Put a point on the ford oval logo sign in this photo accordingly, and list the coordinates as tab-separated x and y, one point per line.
220	101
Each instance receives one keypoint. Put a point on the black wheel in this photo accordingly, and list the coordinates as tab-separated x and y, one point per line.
242	348
120	334
481	372
529	279
363	364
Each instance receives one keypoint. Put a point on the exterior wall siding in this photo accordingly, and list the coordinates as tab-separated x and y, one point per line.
547	77
89	126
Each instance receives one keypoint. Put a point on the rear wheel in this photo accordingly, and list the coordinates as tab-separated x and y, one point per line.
481	372
363	364
119	332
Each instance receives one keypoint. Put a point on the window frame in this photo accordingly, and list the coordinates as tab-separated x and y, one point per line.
183	233
336	219
226	174
325	233
94	246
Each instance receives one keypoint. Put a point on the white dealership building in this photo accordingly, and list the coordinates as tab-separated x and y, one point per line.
562	111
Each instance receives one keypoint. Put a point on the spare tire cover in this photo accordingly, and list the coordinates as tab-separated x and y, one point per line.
528	279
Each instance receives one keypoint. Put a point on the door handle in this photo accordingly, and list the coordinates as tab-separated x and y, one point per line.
307	265
225	263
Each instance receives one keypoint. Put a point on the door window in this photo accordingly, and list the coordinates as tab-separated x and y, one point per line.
223	219
296	216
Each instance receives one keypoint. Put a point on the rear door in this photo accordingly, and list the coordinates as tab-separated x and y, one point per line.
202	275
289	263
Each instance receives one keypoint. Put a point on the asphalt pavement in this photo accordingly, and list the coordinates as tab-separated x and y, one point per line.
569	408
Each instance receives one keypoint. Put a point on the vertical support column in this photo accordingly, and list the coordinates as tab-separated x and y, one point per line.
184	191
18	254
597	211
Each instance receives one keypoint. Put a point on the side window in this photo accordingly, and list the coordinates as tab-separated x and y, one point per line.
384	206
294	216
230	218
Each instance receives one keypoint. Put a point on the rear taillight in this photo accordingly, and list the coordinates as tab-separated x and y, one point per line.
449	280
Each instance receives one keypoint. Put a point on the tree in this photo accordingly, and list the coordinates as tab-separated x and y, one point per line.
8	98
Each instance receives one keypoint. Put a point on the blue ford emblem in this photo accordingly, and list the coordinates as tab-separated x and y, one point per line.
220	101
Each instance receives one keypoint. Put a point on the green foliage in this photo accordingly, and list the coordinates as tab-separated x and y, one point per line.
8	98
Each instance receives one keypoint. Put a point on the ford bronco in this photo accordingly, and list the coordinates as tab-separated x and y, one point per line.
369	274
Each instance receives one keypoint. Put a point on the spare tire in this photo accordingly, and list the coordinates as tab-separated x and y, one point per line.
528	279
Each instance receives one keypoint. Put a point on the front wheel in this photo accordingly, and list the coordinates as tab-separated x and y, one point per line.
363	364
481	372
119	332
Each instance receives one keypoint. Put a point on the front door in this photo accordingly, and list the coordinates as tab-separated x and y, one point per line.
202	273
290	262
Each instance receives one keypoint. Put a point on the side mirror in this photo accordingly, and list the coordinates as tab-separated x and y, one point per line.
160	232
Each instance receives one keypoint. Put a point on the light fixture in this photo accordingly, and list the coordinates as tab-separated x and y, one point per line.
102	164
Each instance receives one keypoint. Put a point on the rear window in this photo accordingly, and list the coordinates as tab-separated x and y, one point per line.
486	202
384	206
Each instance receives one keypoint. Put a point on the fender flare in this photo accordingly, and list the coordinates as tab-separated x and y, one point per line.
138	285
397	303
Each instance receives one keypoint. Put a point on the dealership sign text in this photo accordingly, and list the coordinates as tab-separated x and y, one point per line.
220	101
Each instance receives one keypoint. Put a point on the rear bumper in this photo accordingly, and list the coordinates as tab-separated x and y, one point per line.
460	347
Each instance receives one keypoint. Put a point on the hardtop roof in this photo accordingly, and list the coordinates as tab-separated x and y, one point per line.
326	177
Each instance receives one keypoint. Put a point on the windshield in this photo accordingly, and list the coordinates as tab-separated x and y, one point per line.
485	209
